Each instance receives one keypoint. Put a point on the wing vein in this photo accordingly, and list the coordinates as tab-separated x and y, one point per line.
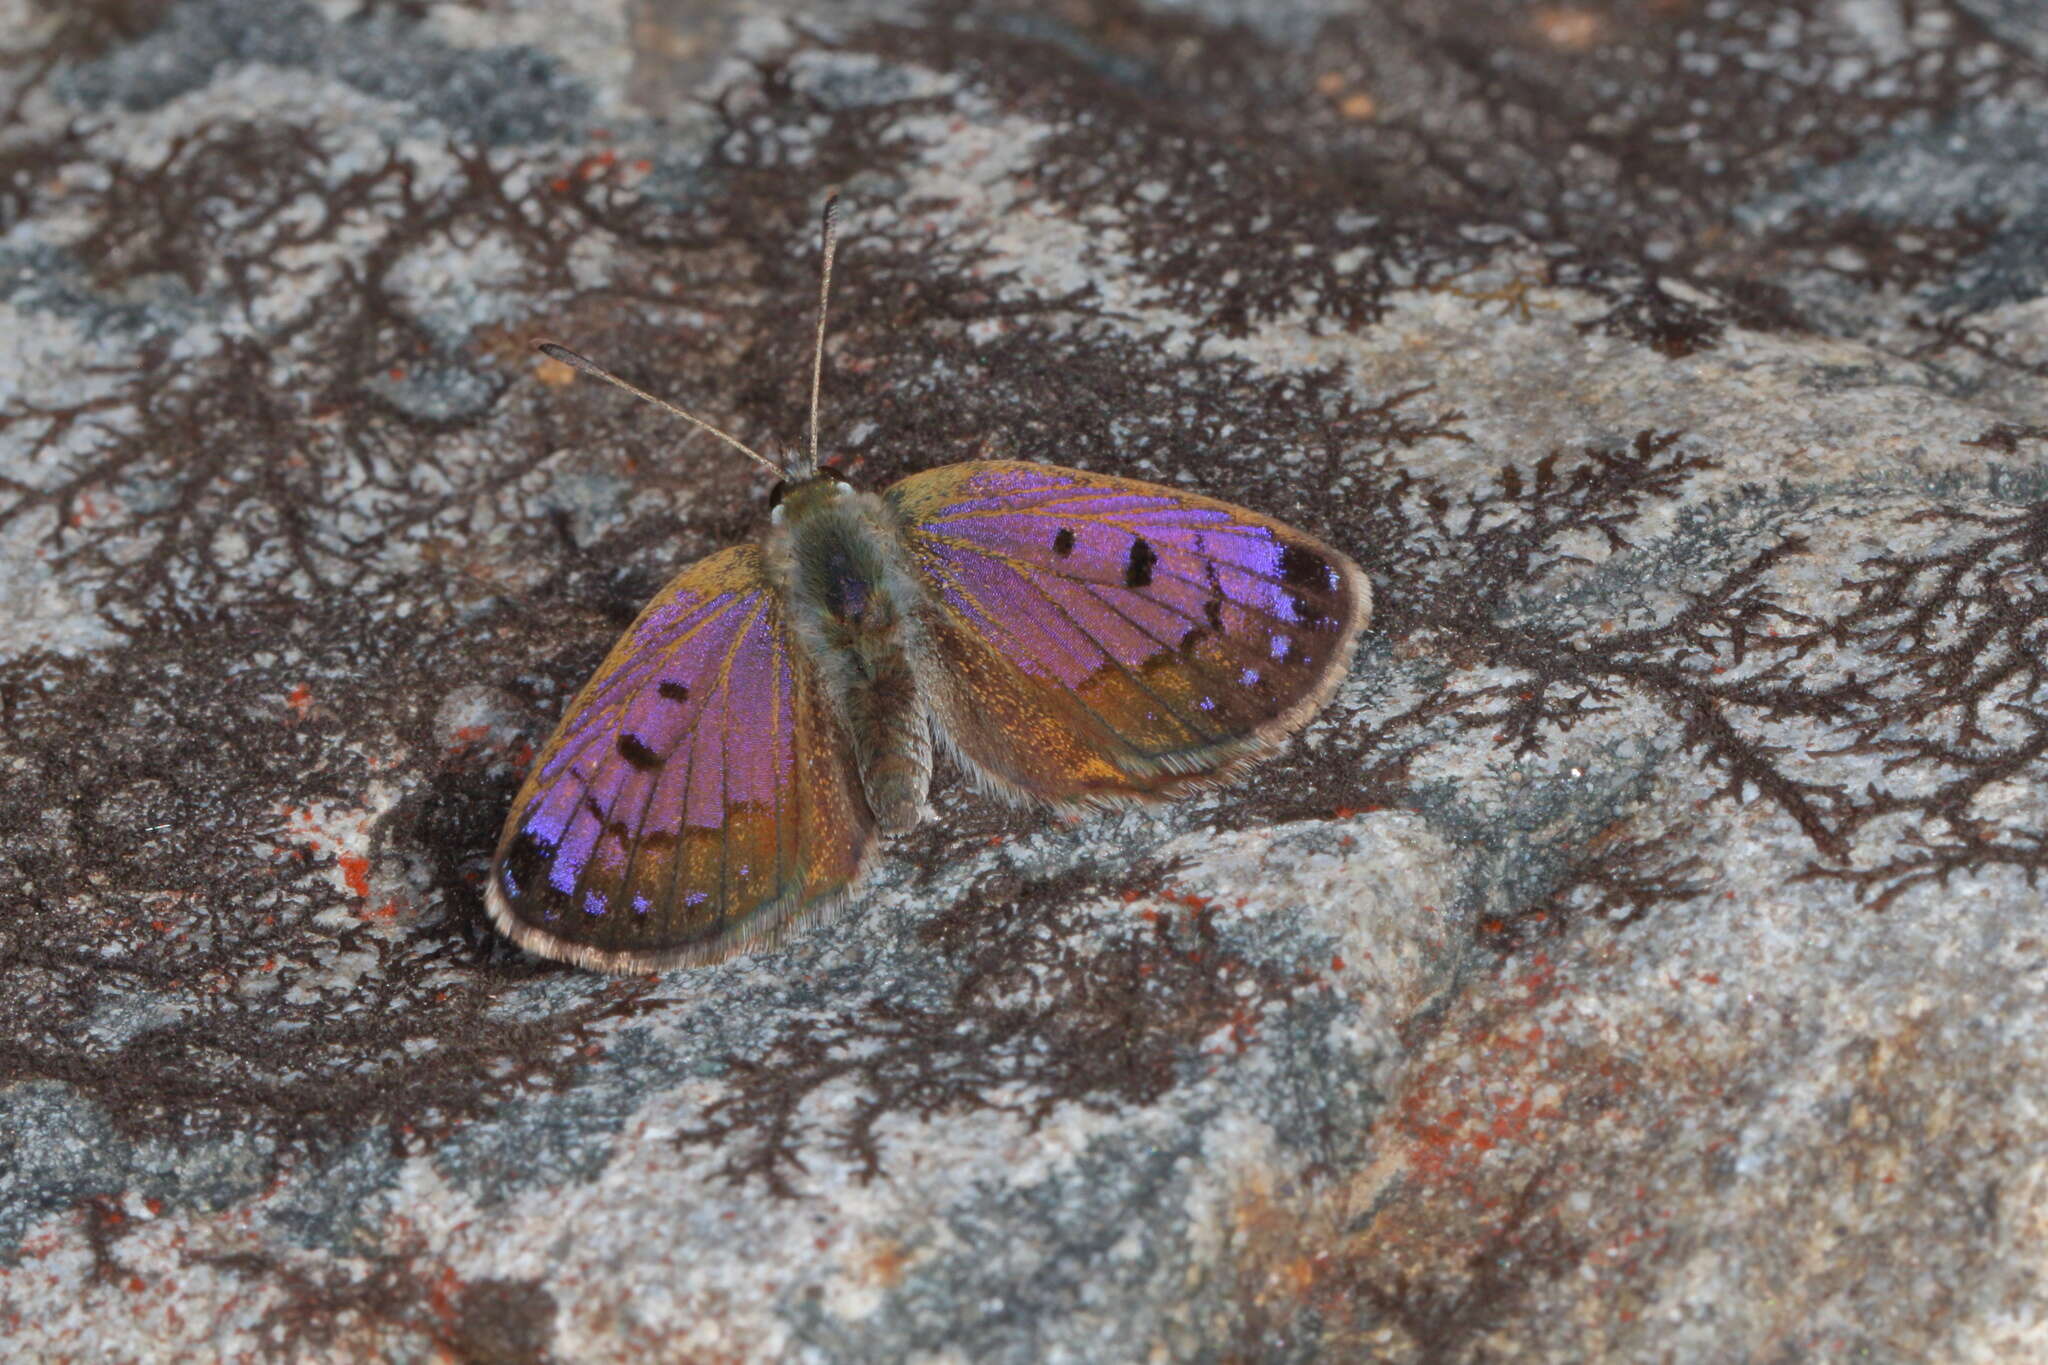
1165	570
679	853
777	644
725	770
1107	654
599	724
986	621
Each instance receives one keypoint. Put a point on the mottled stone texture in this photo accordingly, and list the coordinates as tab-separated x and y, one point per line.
1641	959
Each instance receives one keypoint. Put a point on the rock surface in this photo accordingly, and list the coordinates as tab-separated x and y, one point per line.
1642	958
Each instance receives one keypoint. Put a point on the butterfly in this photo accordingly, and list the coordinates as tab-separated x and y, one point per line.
1067	638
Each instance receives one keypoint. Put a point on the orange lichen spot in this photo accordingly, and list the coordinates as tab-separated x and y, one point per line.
442	1292
300	699
1244	1027
887	1263
1573	28
1540	981
1358	106
1513	1119
1336	964
355	870
1299	1275
1330	83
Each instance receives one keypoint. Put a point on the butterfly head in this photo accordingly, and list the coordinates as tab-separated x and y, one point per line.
798	494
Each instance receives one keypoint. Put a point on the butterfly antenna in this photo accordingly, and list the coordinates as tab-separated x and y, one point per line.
831	233
556	351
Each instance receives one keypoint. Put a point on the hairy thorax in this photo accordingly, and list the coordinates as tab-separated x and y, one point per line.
854	608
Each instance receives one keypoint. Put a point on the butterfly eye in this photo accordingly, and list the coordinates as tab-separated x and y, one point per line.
829	472
775	494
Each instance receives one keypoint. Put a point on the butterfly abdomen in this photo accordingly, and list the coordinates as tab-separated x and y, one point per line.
845	592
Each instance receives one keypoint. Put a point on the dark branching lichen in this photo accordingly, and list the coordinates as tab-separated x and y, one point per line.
283	553
299	563
1033	1019
1958	705
399	1302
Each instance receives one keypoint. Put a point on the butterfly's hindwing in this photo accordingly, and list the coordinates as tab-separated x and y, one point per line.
1094	638
697	798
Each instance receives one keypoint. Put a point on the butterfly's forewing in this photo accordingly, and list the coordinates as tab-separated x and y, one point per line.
697	798
1098	638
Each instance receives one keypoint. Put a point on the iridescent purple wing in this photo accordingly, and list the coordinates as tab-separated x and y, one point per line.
1096	639
697	798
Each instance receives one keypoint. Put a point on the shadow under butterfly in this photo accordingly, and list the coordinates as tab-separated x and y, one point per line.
1068	638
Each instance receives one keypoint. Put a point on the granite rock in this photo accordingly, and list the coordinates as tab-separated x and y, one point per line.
1641	958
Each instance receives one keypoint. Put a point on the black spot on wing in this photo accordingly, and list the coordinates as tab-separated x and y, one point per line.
1138	564
1307	613
673	691
1063	542
1301	568
635	751
524	868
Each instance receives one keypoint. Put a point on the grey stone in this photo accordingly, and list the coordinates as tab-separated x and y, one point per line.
1640	957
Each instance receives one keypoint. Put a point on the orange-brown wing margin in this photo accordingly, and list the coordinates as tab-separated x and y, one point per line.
697	799
1097	639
